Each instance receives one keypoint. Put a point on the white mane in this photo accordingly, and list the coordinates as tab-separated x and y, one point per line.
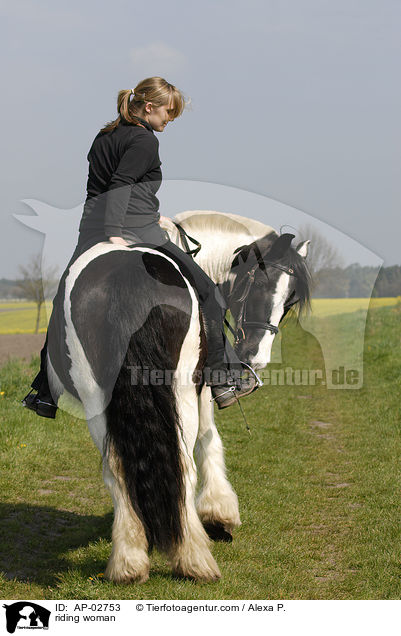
220	234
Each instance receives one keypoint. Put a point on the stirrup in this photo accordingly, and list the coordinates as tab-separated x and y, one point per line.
235	391
230	390
29	400
255	375
40	407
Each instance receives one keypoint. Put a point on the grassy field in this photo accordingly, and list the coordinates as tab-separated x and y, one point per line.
318	482
16	317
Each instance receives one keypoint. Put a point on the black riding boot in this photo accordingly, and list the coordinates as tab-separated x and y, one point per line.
227	376
41	402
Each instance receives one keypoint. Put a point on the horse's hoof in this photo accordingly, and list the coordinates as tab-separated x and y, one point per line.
210	576
198	566
217	532
127	579
125	575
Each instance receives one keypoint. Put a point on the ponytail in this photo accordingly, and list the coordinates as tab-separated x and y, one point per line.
124	109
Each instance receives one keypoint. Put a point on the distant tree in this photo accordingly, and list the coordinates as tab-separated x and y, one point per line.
325	264
37	283
322	255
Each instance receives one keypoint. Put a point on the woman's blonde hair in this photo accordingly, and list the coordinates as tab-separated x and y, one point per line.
152	89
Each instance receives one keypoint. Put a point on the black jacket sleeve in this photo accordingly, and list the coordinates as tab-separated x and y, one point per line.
134	164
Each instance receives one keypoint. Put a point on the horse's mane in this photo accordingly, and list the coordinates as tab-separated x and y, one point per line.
220	234
208	220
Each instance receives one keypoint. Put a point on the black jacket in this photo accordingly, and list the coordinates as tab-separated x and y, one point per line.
124	176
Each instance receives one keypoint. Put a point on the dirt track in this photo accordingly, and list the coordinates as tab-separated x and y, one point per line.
20	345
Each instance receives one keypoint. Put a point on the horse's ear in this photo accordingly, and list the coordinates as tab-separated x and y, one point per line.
255	250
242	255
302	248
280	246
243	247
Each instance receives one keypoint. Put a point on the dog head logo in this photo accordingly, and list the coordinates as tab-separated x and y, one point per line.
26	615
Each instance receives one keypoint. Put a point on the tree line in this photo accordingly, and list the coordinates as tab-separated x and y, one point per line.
356	281
353	281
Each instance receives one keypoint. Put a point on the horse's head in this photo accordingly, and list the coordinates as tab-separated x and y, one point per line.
267	278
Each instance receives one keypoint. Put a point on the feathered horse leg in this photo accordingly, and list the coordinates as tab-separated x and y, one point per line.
191	557
217	503
129	559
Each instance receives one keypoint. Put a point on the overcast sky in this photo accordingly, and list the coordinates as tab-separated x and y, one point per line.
296	100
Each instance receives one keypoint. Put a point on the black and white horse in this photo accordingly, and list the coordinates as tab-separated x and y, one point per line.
128	343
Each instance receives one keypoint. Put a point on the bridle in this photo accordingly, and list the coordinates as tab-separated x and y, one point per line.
242	322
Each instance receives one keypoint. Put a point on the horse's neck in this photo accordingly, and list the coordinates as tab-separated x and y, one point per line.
217	252
218	247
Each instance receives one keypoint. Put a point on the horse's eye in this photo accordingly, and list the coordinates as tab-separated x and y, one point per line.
260	281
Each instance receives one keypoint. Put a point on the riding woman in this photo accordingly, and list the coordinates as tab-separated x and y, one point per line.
122	208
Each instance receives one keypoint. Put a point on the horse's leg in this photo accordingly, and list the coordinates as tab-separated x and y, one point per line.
129	559
191	557
217	503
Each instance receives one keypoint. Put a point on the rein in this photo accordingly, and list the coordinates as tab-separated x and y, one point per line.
241	320
184	236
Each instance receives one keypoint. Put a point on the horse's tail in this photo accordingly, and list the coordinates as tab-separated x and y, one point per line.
143	430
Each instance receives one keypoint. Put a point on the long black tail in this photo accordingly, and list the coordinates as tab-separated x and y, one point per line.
143	428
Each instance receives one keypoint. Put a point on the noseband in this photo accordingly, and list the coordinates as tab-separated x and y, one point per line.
242	321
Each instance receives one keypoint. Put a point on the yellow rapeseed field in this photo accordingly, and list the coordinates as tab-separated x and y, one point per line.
20	317
322	307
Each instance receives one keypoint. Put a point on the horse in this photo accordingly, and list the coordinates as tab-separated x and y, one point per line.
128	342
